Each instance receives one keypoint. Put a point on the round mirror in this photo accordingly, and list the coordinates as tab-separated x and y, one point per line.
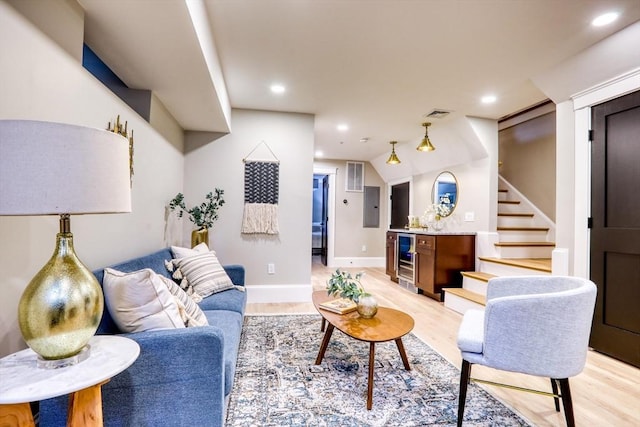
444	193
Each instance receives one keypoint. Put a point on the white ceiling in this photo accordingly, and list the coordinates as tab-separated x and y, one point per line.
379	66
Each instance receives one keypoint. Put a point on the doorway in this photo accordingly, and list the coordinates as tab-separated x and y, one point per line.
319	221
615	229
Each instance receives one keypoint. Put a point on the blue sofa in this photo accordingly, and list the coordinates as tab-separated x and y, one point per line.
182	377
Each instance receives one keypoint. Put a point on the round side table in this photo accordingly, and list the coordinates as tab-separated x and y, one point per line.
23	381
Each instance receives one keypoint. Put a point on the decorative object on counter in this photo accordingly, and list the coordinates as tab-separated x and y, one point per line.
119	129
345	285
46	169
261	188
425	144
393	158
202	216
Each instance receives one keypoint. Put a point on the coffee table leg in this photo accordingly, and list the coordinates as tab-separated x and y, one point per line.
372	355
325	343
403	354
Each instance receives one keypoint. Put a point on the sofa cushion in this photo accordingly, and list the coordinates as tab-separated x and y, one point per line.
140	301
180	252
230	322
233	300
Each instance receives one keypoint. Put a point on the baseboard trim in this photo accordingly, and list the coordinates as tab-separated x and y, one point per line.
278	293
359	262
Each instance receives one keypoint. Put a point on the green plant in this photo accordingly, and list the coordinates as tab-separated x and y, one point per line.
343	284
204	215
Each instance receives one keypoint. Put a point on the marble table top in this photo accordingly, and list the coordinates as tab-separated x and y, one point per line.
21	380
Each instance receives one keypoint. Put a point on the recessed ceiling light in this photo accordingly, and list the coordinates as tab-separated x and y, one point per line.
343	127
319	153
488	99
605	19
278	88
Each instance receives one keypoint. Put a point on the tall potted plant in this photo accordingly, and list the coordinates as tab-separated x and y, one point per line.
202	216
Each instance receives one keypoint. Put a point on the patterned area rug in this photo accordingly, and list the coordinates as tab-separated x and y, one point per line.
278	384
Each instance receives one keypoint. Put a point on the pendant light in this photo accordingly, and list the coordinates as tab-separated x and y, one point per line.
393	159
426	145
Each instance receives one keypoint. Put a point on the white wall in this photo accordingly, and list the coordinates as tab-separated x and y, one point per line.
41	81
219	164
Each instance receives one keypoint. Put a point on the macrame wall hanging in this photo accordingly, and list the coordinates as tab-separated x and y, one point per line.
261	187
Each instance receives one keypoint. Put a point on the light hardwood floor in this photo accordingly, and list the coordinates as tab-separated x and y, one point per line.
606	393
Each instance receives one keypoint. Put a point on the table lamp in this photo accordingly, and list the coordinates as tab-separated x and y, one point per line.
61	169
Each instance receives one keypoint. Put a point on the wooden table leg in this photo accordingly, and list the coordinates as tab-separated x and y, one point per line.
325	343
16	415
85	407
372	356
323	324
403	354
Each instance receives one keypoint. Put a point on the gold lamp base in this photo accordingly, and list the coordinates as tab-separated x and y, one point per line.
61	308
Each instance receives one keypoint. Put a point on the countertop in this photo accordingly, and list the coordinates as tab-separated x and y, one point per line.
432	232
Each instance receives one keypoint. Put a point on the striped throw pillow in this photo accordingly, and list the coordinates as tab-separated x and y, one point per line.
204	273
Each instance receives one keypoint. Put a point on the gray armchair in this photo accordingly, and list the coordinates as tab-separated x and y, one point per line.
536	325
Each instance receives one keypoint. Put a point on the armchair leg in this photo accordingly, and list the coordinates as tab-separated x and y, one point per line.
566	401
554	388
465	374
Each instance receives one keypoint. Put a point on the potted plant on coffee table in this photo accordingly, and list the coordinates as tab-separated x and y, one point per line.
202	216
343	284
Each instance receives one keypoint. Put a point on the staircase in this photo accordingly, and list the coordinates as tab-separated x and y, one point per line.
523	248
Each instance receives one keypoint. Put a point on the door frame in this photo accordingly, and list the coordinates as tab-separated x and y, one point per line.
574	123
331	211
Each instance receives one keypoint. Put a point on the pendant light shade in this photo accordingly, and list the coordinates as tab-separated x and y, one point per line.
426	145
393	159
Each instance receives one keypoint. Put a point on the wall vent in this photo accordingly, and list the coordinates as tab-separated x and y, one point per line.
438	114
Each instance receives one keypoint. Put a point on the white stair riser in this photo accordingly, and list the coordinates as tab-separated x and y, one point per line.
459	304
515	221
525	252
502	195
508	270
510	208
522	236
474	285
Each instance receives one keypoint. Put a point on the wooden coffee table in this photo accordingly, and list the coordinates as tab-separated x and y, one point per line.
388	324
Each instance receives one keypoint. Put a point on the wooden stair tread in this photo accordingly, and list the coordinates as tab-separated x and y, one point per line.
523	228
515	214
466	294
509	202
523	244
538	264
478	275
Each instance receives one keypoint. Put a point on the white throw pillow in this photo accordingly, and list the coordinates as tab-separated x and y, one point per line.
180	252
204	273
191	313
140	301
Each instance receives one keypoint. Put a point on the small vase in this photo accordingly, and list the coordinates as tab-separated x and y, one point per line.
438	224
198	236
367	306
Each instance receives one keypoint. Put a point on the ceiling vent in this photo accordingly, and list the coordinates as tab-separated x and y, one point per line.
438	114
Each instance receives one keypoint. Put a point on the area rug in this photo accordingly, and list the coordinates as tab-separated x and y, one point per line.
278	384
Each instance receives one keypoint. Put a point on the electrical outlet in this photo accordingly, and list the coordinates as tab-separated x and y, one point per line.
469	216
364	248
271	268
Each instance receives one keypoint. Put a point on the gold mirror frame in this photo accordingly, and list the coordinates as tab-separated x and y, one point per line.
442	191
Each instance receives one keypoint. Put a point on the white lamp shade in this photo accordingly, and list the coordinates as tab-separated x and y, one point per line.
55	168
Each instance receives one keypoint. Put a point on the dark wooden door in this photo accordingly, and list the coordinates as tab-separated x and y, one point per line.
615	233
399	205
